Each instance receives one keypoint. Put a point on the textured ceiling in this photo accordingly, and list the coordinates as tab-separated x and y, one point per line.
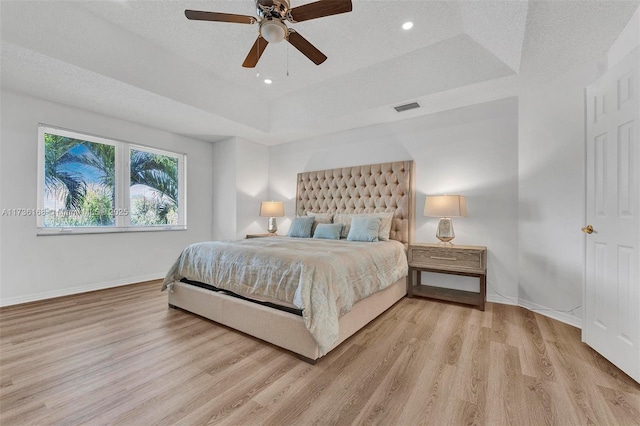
144	61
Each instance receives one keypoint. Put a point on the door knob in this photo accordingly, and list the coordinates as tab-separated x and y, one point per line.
588	229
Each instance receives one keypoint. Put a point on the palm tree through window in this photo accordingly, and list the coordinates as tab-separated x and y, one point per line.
87	182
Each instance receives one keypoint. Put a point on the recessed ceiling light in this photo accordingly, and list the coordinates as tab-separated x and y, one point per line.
268	81
407	25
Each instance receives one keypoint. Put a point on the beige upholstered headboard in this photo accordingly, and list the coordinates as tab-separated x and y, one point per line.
374	188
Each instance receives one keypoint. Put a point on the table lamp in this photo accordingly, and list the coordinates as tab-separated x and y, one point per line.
445	207
272	209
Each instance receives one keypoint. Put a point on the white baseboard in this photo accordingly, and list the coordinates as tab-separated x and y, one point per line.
79	289
496	298
564	317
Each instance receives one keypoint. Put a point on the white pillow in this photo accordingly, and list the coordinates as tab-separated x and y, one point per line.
321	217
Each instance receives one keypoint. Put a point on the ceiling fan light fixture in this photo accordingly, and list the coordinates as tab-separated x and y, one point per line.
273	31
272	15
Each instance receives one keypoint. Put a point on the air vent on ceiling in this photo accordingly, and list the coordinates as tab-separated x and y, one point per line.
406	107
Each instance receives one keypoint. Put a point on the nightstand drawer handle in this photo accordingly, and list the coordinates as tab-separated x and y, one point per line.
443	258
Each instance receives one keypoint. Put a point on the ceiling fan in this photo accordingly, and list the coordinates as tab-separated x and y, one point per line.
272	29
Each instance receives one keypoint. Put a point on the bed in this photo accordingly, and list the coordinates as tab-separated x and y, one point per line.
286	315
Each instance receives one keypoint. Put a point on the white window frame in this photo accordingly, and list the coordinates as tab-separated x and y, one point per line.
121	187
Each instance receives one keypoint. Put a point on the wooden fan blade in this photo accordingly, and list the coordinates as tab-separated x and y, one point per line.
306	48
320	9
255	53
199	15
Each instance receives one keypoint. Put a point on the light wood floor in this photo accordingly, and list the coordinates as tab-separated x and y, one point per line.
121	356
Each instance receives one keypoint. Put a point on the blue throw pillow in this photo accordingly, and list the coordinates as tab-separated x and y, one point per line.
301	227
364	229
328	231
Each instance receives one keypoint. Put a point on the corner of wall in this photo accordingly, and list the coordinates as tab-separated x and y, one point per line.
224	189
240	182
628	40
567	317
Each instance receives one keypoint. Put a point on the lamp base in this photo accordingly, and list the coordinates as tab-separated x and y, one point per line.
445	231
272	225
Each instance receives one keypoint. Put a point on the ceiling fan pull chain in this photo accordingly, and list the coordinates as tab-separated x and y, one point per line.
287	60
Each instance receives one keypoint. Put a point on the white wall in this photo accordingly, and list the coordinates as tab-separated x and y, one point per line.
224	190
552	184
471	151
552	193
253	187
34	267
241	172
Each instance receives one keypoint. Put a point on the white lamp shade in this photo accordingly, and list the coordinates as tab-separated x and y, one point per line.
445	206
272	209
273	31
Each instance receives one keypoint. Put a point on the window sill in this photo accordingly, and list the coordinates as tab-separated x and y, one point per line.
48	231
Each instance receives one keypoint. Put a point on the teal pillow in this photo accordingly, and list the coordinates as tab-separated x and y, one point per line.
328	231
301	227
364	229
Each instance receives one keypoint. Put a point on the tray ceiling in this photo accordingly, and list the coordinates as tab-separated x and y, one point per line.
144	59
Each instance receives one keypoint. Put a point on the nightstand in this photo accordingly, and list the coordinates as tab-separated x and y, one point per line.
469	261
261	235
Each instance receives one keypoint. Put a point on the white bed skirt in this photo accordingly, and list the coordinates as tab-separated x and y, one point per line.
283	329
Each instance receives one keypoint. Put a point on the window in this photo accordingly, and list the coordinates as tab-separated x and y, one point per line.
153	194
79	182
90	184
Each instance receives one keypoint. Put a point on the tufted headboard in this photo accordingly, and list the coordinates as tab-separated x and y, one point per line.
374	188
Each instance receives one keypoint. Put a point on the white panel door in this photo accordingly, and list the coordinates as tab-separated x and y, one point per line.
612	281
